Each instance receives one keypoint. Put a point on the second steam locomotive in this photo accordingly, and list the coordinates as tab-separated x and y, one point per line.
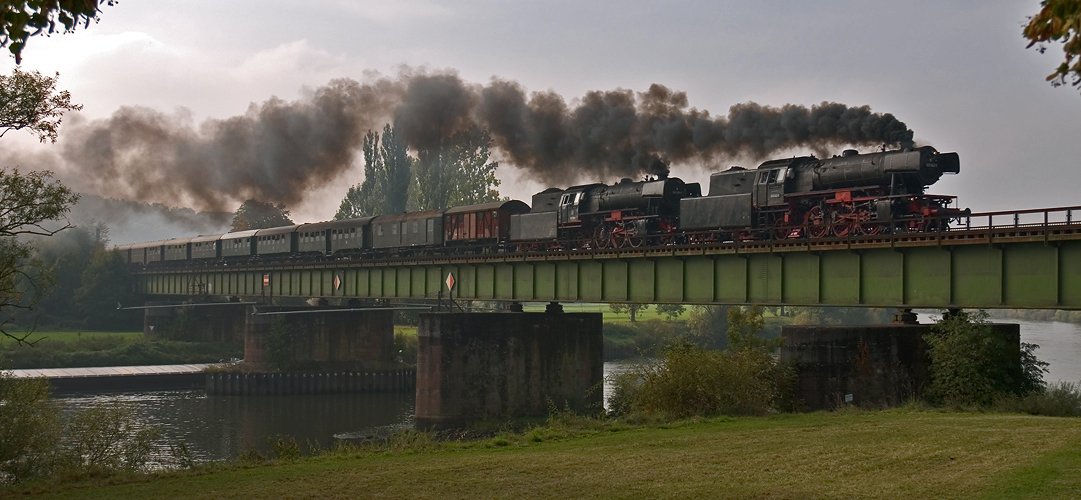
805	197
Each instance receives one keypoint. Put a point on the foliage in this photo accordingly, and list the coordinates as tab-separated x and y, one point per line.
971	365
1059	399
671	311
694	381
387	167
20	19
104	285
709	325
840	315
456	173
1059	21
109	438
630	308
642	338
254	214
745	330
28	200
278	345
406	345
29	100
113	351
30	429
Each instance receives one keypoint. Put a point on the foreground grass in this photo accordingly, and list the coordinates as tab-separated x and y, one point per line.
881	455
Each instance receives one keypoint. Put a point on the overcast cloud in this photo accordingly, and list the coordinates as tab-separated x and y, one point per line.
957	73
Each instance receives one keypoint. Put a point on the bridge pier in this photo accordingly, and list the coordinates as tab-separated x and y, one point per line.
868	365
195	323
318	339
473	366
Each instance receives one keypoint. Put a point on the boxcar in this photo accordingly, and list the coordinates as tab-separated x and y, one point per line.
239	244
408	230
480	223
276	240
206	247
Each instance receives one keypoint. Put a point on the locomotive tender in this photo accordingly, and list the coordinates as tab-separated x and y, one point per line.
805	197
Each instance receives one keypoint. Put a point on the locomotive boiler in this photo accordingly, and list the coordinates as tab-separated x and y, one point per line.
849	194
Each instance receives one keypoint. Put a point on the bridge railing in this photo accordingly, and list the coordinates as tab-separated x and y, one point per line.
1031	218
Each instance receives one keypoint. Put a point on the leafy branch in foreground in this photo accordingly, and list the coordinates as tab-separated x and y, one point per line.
29	100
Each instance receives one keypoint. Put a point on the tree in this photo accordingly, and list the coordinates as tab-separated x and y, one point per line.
385	188
104	284
30	101
630	308
708	325
1059	21
254	214
26	203
671	311
744	330
455	173
19	19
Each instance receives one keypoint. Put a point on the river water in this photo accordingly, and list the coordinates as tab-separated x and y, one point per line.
221	427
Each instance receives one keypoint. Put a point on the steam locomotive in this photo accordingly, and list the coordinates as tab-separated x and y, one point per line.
804	197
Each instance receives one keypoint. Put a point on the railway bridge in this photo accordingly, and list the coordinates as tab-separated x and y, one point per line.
1011	259
473	365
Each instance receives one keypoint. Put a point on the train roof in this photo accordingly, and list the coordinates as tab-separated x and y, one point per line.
177	241
410	216
336	224
148	244
239	234
495	205
271	231
203	238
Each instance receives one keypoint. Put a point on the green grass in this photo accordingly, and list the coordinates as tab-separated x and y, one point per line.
872	455
609	316
71	336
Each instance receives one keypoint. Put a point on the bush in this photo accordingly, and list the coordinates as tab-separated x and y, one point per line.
970	365
1060	399
693	381
30	429
642	338
109	438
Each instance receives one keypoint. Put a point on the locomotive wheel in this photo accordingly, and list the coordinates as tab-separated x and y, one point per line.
781	230
868	228
817	223
842	220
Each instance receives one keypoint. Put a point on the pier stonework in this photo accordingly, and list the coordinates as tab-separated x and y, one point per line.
473	366
223	322
324	340
868	366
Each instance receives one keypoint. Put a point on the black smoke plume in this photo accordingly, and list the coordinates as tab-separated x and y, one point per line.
278	151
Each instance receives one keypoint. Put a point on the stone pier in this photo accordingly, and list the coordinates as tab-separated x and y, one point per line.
870	366
473	366
322	339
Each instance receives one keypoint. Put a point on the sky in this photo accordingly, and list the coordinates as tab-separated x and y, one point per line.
956	72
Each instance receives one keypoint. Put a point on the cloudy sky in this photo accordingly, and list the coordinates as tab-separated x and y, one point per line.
956	72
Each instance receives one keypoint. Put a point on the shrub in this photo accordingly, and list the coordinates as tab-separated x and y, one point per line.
971	365
109	438
30	429
1060	399
693	381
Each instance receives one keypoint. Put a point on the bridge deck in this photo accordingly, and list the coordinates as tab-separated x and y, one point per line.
1020	259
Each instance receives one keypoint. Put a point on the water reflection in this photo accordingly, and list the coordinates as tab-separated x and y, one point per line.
1060	345
221	427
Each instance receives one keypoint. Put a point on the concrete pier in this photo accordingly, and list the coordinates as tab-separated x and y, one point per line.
320	339
869	366
474	366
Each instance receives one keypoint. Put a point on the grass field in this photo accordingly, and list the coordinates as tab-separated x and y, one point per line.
855	455
609	316
71	336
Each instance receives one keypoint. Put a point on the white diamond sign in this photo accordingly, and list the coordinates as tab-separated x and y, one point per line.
337	282
450	281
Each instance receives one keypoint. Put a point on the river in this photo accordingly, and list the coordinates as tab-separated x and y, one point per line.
221	427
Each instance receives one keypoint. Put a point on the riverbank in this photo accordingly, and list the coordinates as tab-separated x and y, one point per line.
884	454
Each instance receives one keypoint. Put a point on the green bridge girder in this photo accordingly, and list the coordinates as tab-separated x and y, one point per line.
1012	268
